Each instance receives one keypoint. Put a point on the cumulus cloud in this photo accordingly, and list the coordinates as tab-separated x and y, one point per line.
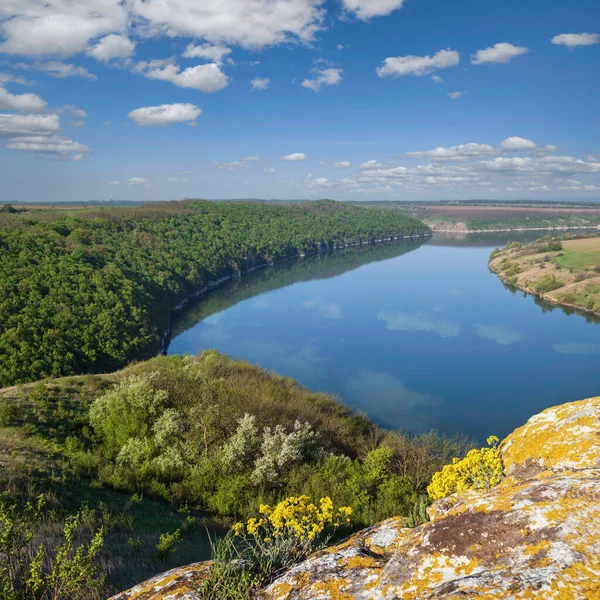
502	52
165	114
206	78
455	95
366	9
65	28
572	40
259	83
138	181
294	156
371	164
269	170
400	66
179	177
213	52
323	77
231	166
402	321
22	102
437	79
62	70
458	152
46	145
113	46
13	125
514	144
343	164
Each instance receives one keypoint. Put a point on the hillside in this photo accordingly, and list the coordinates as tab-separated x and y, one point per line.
564	272
91	291
534	535
175	445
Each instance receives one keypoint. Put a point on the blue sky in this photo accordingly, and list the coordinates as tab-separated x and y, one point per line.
346	99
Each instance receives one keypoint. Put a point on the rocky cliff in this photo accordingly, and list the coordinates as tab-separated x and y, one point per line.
535	535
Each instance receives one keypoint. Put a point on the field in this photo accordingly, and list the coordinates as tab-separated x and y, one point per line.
490	216
563	272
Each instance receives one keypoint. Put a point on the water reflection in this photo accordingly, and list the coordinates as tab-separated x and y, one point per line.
400	321
575	348
501	334
395	404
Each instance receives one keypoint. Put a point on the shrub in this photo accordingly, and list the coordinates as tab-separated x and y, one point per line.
9	413
166	544
480	469
69	571
252	553
547	283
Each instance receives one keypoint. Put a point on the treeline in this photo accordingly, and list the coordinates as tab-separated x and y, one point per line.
92	292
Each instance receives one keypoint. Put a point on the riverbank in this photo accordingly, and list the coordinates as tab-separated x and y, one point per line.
563	273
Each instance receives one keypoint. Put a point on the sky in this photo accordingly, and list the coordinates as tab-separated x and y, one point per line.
342	99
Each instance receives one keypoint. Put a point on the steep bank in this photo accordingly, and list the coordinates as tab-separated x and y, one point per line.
535	535
563	273
88	294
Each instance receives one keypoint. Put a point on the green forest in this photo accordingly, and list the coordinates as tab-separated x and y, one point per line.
89	292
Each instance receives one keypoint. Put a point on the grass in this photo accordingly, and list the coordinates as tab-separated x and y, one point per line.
580	254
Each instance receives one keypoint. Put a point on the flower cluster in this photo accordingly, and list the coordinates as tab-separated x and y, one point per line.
295	517
480	469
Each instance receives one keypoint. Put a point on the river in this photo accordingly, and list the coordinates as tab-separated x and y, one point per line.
418	335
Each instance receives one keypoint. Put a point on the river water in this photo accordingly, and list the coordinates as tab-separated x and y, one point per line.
419	336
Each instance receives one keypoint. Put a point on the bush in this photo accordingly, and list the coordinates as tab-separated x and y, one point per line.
547	283
9	413
252	553
480	469
68	572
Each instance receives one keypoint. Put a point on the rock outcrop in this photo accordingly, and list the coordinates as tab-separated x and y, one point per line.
535	535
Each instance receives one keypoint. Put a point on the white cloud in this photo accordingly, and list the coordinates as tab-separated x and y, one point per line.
113	46
253	158
231	166
260	83
294	156
418	65
515	144
249	24
78	157
458	152
22	102
7	77
165	114
502	335
59	27
61	70
455	95
212	52
46	145
12	125
269	170
179	177
323	77
538	188
502	52
138	181
371	164
343	164
206	78
65	27
401	321
572	40
437	79
116	182
365	9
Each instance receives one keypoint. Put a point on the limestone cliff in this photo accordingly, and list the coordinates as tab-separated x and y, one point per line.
536	535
